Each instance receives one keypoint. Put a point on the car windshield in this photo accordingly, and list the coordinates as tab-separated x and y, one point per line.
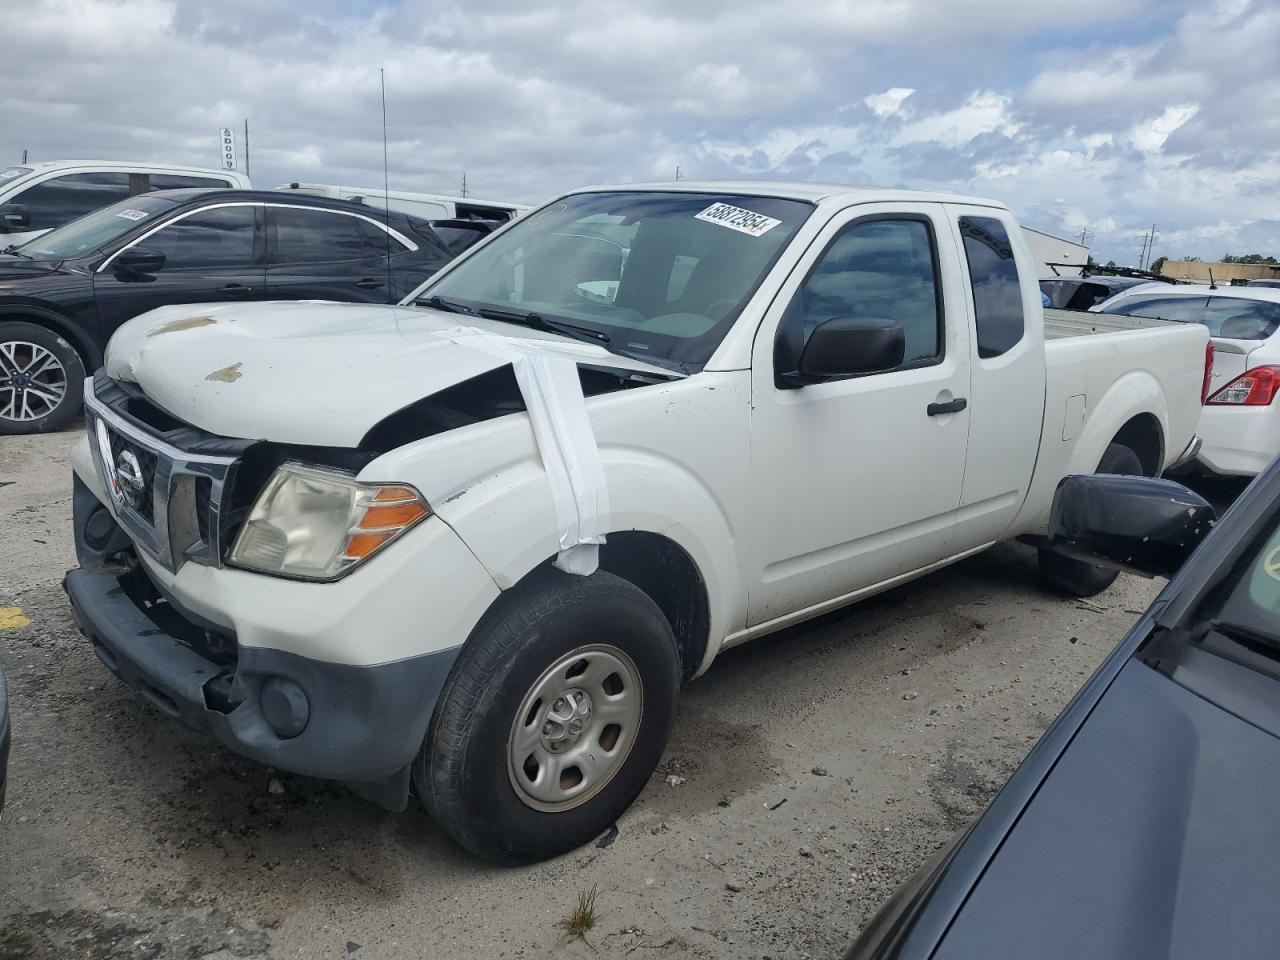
13	173
96	229
1246	607
661	276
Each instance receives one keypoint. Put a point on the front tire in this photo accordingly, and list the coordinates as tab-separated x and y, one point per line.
41	380
553	718
1077	578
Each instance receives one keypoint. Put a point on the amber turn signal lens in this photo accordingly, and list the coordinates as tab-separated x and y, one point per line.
378	516
363	544
391	494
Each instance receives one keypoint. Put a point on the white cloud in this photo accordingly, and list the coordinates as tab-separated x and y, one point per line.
1150	135
889	103
1079	116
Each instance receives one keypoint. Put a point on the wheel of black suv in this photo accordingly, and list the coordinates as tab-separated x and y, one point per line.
1076	577
553	718
41	379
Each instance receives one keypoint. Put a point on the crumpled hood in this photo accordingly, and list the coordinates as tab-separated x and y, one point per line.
309	372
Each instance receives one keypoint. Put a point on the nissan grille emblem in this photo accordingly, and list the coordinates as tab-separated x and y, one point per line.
129	473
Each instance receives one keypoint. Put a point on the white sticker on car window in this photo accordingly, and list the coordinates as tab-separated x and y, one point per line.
735	218
132	214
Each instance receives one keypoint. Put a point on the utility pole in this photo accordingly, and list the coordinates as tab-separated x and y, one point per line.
1148	247
246	146
464	184
677	172
24	156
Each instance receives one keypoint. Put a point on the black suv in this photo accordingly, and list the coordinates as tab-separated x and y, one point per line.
63	294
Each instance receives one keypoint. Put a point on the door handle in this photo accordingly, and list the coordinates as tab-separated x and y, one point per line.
951	406
368	283
237	290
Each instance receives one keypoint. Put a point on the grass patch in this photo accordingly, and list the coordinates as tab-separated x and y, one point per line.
584	915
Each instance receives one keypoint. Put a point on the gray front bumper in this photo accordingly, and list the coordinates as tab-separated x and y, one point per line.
364	724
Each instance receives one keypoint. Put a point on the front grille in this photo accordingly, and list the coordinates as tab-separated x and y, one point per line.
167	498
144	501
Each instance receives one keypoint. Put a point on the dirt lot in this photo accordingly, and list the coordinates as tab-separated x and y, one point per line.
880	731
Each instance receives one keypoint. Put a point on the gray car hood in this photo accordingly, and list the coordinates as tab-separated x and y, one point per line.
1155	836
311	373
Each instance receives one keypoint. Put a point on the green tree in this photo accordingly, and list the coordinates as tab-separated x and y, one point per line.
1248	258
1190	259
1157	263
1111	264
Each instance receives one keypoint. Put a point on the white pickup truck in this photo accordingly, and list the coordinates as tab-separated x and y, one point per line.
474	542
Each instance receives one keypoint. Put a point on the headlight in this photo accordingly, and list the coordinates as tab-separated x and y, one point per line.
317	524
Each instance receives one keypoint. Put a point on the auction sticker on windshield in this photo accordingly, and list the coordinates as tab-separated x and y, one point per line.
132	214
735	218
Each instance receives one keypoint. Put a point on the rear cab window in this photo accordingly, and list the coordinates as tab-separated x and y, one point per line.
993	279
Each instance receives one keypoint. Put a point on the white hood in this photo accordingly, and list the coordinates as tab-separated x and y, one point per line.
306	372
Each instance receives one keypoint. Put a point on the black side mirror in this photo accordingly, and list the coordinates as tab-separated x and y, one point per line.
138	261
14	217
847	347
1139	524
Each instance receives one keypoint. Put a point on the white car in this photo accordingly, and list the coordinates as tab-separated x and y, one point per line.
476	540
429	206
37	197
1240	424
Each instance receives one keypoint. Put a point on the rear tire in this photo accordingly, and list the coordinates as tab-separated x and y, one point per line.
553	719
1077	578
41	379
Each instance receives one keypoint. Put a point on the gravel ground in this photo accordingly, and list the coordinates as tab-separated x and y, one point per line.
820	767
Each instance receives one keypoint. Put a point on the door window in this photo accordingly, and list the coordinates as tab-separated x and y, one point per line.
66	198
219	237
882	269
319	236
993	277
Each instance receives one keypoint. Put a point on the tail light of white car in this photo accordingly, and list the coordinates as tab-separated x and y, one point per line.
1208	372
1253	388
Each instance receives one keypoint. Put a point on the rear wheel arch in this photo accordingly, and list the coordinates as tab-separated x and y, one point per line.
1145	437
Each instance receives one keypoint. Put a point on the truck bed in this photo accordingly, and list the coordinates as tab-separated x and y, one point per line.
1062	324
1095	366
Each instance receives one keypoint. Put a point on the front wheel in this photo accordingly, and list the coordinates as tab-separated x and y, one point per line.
1077	578
41	379
553	718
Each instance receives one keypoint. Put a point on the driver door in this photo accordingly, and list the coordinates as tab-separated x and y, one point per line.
212	254
857	481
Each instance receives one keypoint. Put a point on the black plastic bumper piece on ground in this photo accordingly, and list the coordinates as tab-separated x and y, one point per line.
365	723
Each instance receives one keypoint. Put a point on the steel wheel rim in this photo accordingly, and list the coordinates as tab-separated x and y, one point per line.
33	381
575	728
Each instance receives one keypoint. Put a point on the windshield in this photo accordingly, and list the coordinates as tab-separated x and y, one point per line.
660	276
95	229
13	173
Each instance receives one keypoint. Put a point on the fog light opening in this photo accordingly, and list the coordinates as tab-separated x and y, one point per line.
285	707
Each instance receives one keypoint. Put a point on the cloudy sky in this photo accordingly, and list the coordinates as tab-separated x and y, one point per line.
1098	115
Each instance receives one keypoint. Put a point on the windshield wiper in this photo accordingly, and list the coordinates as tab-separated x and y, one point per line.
448	306
1246	635
536	321
12	251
